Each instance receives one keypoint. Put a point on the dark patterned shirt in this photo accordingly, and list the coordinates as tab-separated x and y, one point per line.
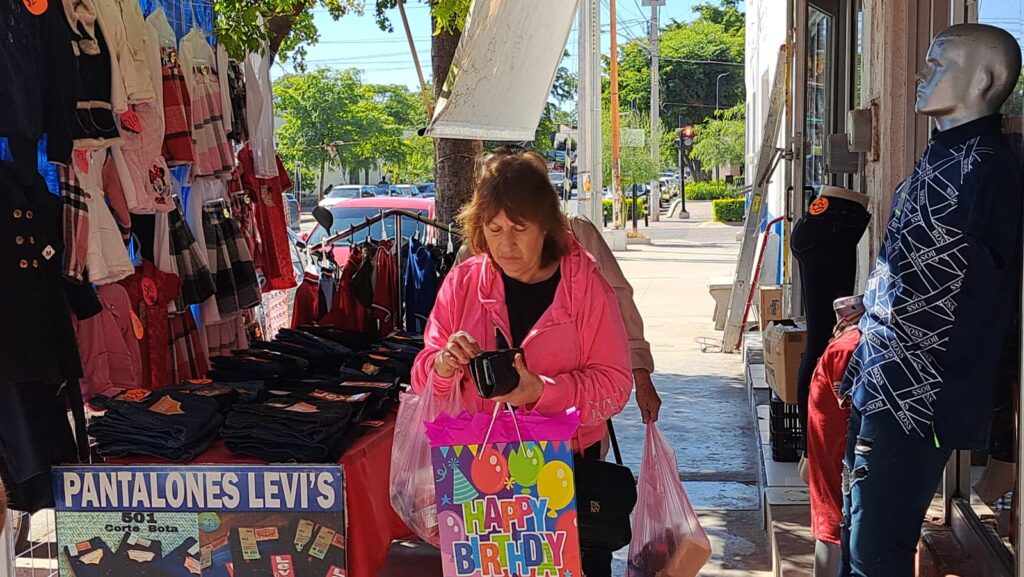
942	294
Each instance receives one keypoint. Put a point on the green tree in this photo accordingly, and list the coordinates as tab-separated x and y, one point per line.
317	109
636	165
719	141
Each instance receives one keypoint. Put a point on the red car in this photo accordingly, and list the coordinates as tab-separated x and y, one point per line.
353	211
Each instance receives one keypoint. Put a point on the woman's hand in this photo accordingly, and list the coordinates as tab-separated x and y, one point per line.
529	390
461	348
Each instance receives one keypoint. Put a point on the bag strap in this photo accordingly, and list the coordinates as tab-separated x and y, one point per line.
615	443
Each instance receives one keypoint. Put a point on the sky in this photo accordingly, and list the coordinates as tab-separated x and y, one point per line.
356	41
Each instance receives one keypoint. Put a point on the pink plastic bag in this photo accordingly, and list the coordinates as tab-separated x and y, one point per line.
668	540
412	472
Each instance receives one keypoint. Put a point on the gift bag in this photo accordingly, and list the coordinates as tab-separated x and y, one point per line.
506	496
412	474
668	540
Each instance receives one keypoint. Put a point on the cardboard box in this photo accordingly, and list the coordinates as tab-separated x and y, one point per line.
784	344
770	305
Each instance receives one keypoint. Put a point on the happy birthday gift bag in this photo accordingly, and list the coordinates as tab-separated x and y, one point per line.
506	496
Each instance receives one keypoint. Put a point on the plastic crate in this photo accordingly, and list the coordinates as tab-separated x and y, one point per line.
784	431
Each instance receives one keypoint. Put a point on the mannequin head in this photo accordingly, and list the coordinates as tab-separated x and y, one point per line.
849	309
969	72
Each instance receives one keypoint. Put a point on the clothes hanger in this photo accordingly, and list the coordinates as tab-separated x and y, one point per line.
451	245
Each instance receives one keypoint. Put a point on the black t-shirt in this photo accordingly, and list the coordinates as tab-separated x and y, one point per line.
527	302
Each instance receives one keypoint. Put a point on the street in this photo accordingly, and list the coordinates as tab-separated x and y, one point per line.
706	414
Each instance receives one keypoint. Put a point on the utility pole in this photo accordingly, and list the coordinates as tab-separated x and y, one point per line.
616	140
589	145
654	208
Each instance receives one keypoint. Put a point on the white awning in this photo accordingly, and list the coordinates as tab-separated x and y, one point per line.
503	69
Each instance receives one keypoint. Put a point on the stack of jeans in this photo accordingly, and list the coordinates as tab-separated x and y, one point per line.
293	426
171	424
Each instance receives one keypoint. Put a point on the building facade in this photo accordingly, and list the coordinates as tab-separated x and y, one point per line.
846	55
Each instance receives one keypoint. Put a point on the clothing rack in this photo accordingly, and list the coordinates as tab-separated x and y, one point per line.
398	214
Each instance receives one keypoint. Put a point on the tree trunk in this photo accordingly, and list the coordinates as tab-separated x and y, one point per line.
323	166
280	26
454	160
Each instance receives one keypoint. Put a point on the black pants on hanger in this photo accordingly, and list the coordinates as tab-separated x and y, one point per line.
825	246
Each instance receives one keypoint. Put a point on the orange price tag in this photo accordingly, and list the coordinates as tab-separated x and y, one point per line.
36	7
819	206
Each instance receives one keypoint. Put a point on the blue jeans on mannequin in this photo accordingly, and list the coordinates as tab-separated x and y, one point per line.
890	480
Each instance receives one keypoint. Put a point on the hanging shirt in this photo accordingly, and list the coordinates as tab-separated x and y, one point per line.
420	286
150	292
527	302
827	423
943	292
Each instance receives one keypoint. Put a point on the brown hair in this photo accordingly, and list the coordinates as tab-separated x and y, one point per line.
516	180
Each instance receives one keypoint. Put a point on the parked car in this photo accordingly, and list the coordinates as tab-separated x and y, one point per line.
400	190
354	211
557	181
346	191
426	189
292	214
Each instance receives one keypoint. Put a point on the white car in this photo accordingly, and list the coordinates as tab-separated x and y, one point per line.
342	192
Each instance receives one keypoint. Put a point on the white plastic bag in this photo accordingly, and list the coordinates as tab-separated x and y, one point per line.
412	473
668	540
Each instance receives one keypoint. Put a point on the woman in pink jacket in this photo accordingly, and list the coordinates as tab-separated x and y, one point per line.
530	285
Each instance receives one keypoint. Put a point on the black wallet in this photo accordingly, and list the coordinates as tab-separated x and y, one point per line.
494	372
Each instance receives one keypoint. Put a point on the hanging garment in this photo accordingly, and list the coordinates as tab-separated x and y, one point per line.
306	307
212	150
177	146
75	223
188	356
236	87
36	436
384	309
93	125
36	334
275	313
230	261
274	257
150	176
34	51
197	283
107	260
109	345
420	286
163	256
348	312
150	291
116	200
259	100
125	31
202	190
226	336
225	88
327	286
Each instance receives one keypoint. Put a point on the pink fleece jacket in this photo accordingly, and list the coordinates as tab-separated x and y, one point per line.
579	347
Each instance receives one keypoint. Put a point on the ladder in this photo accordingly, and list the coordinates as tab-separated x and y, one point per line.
768	158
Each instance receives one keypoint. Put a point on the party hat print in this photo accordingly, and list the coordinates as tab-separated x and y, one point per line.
464	490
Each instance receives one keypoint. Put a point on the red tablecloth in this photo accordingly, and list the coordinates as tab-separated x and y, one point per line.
372	523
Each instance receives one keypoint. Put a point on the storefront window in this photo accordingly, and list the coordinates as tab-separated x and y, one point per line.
1008	15
819	46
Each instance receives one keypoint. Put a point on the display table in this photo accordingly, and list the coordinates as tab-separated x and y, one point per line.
372	523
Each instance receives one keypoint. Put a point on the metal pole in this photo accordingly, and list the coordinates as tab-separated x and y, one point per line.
399	284
416	61
634	207
655	196
616	142
596	142
717	80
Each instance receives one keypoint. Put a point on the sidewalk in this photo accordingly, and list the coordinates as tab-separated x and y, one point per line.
706	412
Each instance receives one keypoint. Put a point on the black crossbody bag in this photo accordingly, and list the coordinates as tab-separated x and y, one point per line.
605	497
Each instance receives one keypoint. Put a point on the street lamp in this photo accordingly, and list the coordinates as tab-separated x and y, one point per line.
717	80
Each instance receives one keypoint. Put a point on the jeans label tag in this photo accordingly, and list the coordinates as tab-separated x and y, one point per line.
250	550
282	566
93	558
322	543
303	534
167	406
206	557
192	565
267	534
